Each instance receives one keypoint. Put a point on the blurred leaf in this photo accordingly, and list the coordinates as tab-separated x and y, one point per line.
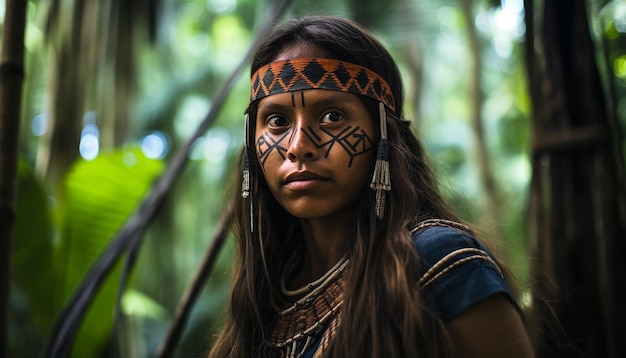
100	196
30	265
619	66
514	134
136	303
610	31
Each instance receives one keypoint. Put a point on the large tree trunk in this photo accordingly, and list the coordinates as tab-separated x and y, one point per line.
577	200
11	79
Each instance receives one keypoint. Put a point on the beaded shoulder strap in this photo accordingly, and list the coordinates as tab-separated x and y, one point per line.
440	222
451	260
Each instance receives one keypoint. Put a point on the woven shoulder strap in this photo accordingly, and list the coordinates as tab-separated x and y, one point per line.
440	222
451	260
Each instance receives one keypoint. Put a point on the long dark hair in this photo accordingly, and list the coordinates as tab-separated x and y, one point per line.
384	314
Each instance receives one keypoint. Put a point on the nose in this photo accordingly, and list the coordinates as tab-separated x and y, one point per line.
301	145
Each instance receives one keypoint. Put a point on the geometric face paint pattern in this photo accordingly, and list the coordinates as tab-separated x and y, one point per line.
354	141
266	144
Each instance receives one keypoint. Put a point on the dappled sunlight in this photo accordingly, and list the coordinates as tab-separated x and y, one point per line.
222	6
211	150
155	145
191	112
217	145
89	142
39	125
505	25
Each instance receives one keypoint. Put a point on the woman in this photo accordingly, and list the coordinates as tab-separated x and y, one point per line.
345	246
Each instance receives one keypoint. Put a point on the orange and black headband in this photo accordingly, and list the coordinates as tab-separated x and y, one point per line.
320	73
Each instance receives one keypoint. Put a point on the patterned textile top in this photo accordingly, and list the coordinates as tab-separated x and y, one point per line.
320	73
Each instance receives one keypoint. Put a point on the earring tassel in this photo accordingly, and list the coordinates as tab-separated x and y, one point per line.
245	177
381	180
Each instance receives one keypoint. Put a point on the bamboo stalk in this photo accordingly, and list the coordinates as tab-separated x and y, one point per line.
11	80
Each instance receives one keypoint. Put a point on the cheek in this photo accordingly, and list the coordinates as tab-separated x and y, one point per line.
269	148
261	148
362	167
354	144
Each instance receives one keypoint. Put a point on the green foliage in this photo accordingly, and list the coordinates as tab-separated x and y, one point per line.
619	67
136	303
31	307
99	197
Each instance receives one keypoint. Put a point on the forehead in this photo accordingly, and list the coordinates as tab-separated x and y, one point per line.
311	99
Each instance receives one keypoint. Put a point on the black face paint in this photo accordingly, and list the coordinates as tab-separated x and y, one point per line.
354	141
293	99
266	144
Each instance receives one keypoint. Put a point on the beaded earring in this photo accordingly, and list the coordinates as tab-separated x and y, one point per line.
381	180
245	175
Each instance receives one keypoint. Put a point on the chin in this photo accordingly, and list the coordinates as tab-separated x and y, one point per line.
308	211
319	207
320	211
307	214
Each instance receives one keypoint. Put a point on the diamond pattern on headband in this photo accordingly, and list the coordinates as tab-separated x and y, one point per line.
319	73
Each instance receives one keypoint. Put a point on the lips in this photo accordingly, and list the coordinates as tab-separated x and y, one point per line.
303	176
303	180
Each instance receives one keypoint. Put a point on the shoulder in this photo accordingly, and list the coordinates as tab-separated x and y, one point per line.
435	242
457	270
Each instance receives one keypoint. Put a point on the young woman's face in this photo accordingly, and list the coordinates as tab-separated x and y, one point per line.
317	150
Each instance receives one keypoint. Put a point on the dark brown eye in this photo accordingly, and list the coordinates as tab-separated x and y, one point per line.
332	117
277	122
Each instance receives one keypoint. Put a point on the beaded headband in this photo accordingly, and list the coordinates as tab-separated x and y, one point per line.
320	73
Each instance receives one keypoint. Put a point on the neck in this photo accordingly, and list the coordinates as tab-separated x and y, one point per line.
325	242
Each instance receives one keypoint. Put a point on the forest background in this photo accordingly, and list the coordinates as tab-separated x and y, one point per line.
114	89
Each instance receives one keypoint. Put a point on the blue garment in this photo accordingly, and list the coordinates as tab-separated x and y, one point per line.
464	285
457	289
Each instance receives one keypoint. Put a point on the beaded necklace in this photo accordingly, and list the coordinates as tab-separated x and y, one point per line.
300	322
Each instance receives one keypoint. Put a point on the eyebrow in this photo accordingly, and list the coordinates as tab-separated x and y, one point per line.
272	106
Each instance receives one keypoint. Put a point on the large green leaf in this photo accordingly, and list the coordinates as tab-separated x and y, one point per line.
100	196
